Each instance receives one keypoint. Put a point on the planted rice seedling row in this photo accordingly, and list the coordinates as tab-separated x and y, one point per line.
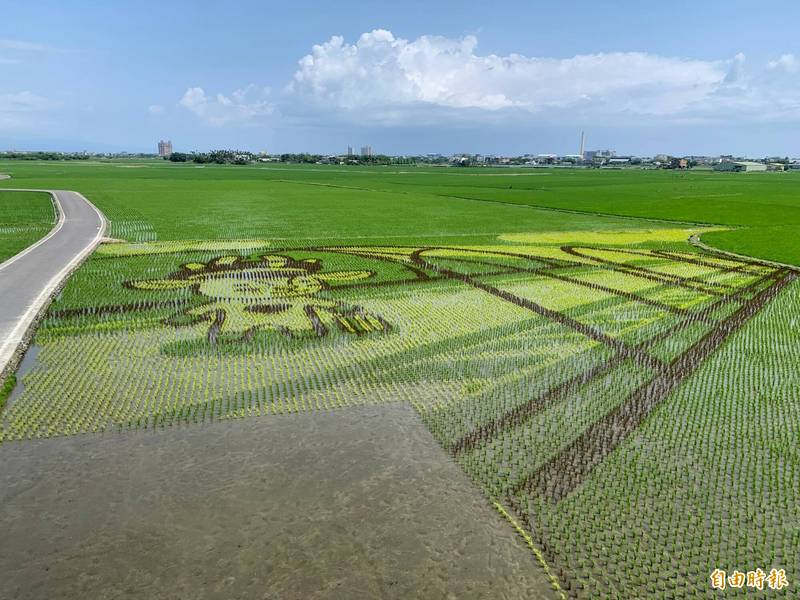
519	358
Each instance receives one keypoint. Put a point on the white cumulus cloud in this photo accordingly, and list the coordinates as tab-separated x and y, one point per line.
391	79
242	106
787	62
381	69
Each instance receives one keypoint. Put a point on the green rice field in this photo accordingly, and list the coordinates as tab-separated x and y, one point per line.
629	402
24	218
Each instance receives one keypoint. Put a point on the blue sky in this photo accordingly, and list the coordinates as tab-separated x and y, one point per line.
406	77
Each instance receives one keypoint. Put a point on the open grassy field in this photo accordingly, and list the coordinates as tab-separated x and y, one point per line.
628	402
24	218
761	210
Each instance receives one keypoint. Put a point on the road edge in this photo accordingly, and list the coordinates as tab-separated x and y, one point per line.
22	334
54	230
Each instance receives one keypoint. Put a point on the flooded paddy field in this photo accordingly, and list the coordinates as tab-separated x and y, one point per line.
356	503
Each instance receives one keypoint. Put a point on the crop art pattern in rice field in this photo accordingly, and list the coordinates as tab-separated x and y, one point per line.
547	368
272	291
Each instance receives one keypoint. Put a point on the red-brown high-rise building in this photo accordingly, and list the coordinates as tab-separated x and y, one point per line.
164	148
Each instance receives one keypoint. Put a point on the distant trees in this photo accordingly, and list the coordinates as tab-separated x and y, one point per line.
303	157
239	157
377	159
221	157
45	155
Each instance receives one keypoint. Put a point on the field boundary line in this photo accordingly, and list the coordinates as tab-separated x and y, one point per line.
567	470
554	583
54	230
575	211
695	241
562	318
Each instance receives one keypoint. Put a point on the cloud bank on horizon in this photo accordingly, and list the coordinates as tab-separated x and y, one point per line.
388	80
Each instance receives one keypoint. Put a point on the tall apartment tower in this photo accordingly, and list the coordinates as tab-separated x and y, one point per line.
350	151
366	150
165	148
583	144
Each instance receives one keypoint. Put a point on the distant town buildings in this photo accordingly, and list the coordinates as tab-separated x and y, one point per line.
591	155
366	151
165	148
618	160
584	159
740	166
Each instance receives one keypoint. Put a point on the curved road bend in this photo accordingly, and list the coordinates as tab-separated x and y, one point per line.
28	279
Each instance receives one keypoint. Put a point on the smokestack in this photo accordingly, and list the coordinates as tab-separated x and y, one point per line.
583	144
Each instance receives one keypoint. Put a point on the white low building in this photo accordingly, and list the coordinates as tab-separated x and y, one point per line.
740	166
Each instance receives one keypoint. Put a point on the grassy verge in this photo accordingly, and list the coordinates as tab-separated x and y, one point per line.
6	388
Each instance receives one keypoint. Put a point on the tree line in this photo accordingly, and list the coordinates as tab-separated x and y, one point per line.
241	157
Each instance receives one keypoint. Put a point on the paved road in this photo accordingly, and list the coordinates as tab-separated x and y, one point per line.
28	279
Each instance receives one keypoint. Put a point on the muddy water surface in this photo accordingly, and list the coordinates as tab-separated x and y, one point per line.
28	362
359	503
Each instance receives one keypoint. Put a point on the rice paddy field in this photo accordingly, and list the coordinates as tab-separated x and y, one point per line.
627	402
25	217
